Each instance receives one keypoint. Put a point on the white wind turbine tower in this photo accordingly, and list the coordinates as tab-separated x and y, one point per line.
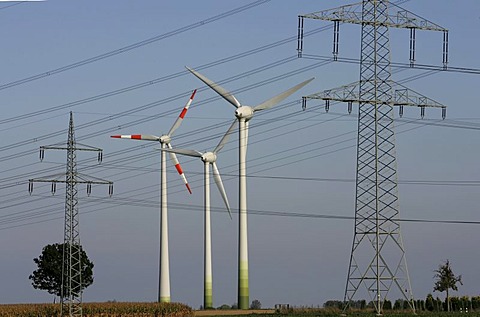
243	114
209	158
165	141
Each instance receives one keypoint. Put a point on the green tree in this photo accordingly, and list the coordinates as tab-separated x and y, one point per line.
446	280
255	304
429	303
475	302
48	275
387	305
398	304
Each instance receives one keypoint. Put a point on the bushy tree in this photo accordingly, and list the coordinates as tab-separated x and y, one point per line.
446	280
475	302
363	304
398	304
429	303
333	304
255	304
438	304
387	305
48	275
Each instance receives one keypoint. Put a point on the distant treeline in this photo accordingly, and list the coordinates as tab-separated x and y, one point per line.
458	304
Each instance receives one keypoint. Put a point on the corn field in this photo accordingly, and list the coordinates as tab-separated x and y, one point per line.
100	310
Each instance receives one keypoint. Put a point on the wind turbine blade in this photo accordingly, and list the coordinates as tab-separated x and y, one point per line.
218	181
218	89
184	152
175	161
179	120
273	101
145	137
225	138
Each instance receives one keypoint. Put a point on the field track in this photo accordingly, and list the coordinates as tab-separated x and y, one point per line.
226	312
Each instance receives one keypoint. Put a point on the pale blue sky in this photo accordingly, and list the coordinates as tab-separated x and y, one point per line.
301	261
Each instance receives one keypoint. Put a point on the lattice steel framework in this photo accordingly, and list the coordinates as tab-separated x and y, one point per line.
377	259
71	292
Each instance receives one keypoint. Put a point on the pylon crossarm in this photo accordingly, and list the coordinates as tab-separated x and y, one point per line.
348	13
402	97
397	17
344	93
67	147
47	179
87	147
87	179
59	147
95	182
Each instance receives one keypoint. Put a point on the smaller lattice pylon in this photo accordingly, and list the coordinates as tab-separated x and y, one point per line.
402	97
71	286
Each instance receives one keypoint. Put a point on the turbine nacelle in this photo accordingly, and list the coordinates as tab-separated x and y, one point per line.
244	112
209	157
165	139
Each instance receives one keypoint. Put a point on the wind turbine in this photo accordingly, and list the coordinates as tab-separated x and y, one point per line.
244	114
165	141
209	158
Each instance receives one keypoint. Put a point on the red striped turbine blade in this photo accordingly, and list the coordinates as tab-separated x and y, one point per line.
146	137
177	165
179	120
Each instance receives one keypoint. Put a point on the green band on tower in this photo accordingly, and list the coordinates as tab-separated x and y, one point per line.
243	293
207	296
165	299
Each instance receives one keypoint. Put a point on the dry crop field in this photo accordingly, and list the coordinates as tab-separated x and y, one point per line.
100	310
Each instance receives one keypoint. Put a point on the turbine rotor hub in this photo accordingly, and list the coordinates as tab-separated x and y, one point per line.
165	139
209	157
244	112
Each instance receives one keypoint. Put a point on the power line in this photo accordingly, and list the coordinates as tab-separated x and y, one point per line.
135	45
262	68
139	148
452	69
167	77
258	212
160	79
269	156
453	183
417	121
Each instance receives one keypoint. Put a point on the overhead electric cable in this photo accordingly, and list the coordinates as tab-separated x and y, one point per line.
197	208
142	190
168	77
452	69
135	45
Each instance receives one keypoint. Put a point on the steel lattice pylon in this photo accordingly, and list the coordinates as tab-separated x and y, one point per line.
71	297
377	259
71	289
376	210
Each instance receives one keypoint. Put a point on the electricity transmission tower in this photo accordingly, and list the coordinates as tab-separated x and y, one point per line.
71	289
377	260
